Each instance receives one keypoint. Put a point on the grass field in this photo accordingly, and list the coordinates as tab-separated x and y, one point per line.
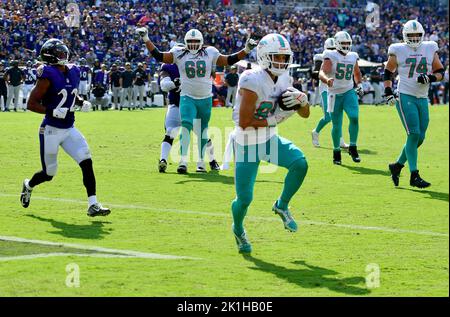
352	219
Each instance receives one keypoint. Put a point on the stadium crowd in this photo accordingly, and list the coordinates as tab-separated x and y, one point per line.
104	32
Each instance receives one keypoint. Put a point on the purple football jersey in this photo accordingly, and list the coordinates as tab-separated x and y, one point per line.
61	93
172	70
84	72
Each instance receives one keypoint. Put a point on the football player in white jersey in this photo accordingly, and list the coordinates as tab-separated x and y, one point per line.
256	115
338	70
418	65
195	63
323	92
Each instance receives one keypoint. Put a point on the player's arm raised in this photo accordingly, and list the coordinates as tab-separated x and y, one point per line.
325	70
37	94
389	69
247	111
225	60
164	57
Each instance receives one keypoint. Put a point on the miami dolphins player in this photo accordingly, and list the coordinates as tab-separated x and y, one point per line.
339	69
255	115
195	63
30	80
55	95
418	65
85	74
318	60
169	81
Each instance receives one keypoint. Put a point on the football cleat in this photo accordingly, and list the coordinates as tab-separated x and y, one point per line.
315	138
182	169
242	242
353	152
201	167
214	165
343	145
98	210
337	157
162	166
395	169
286	217
417	181
25	196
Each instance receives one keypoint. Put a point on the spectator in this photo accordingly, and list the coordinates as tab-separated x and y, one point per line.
231	81
114	79
3	88
14	79
126	82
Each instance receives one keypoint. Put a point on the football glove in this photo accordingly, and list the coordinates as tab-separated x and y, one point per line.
390	96
294	99
143	33
250	44
60	113
360	91
423	79
86	106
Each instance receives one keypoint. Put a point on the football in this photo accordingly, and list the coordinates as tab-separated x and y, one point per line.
283	106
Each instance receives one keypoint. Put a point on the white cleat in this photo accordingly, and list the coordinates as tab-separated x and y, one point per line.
225	166
343	145
315	138
201	167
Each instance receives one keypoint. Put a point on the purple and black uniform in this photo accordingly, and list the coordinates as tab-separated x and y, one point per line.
30	76
84	72
61	93
172	70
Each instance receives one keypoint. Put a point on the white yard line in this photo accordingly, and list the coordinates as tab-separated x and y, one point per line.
56	254
128	253
203	213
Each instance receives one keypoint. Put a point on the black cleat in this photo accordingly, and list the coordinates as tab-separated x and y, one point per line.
162	166
337	157
214	165
353	152
25	196
98	210
417	181
182	169
395	169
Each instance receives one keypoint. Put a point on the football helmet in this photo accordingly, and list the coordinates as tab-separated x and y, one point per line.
329	44
269	46
55	52
343	42
413	33
193	40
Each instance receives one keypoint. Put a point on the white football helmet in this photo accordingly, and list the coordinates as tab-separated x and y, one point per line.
413	33
269	46
193	40
330	44
343	42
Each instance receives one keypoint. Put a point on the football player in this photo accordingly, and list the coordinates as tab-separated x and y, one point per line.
256	137
169	80
85	79
195	62
323	91
55	95
30	80
339	69
418	65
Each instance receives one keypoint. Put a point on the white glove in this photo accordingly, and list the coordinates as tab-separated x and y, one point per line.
143	33
250	44
167	84
294	97
359	90
60	113
86	106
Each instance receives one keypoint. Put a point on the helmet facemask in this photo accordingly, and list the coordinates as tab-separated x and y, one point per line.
413	39
278	63
193	46
344	46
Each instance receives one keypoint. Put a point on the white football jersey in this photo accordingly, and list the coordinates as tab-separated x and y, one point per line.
342	70
260	82
322	86
411	63
195	71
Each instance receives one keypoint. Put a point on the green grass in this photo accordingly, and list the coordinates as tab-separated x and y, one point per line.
190	215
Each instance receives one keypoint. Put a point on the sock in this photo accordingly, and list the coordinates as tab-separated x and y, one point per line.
411	150
27	185
322	123
402	158
292	182
336	133
353	130
239	211
166	145
185	138
210	149
39	178
88	177
92	200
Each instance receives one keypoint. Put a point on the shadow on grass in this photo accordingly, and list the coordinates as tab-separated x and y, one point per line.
432	194
312	277
360	151
214	177
94	230
366	171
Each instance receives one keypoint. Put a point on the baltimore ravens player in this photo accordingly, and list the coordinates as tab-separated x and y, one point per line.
323	91
85	75
339	69
195	63
30	80
418	65
55	95
255	135
169	80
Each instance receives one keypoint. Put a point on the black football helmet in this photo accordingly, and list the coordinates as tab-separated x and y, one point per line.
83	61
55	52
